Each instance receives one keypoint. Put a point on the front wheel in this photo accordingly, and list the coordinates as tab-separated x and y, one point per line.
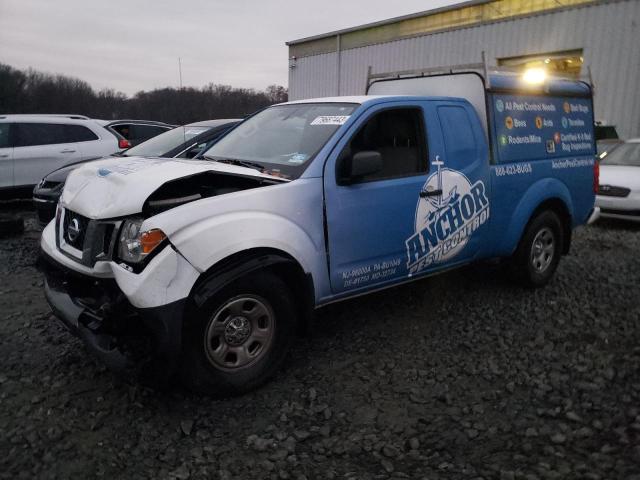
239	337
538	254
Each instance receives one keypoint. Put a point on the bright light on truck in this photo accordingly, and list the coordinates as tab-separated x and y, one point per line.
535	76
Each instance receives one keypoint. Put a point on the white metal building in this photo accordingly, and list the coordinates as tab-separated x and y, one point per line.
569	36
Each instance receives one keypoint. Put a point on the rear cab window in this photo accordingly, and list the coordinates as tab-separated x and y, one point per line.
459	139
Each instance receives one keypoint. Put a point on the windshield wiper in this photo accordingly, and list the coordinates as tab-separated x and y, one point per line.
235	161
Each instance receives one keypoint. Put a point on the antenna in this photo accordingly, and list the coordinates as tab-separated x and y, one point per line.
180	71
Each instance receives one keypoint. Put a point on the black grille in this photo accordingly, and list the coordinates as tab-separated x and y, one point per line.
95	239
74	229
611	191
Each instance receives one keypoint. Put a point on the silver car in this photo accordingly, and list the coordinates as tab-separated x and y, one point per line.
619	190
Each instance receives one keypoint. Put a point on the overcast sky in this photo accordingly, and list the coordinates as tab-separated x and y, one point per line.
133	45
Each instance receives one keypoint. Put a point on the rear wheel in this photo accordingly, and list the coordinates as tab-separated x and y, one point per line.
239	337
538	254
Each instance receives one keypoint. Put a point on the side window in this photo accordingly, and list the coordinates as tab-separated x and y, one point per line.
399	136
123	130
459	141
78	133
4	135
32	134
144	132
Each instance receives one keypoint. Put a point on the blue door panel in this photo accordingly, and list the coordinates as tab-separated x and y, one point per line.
368	222
384	232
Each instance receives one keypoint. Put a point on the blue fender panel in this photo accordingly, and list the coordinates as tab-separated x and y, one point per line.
541	191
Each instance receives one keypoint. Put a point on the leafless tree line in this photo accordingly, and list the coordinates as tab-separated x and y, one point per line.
31	91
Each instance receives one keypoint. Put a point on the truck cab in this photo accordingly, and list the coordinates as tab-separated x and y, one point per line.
218	262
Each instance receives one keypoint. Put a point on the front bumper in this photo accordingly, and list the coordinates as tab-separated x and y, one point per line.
126	319
117	333
623	208
632	216
45	203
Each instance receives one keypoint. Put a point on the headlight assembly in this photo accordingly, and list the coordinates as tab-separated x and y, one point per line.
134	245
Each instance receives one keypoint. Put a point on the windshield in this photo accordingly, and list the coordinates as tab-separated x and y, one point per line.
624	154
282	140
165	142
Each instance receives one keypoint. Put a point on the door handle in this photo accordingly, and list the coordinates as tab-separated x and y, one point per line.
6	155
67	151
430	193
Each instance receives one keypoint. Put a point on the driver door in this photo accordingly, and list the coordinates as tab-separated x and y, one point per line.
370	218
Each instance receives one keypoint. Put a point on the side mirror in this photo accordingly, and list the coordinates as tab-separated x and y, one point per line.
361	164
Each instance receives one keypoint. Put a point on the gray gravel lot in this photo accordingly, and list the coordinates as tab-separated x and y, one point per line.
463	375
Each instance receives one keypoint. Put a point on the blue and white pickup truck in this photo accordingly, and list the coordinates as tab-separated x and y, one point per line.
218	261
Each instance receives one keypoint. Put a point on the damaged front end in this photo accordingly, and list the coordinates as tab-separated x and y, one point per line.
114	280
93	309
201	185
143	342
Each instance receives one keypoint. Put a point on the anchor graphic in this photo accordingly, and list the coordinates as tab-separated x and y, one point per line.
438	202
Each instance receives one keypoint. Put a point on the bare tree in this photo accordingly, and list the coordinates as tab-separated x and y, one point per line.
32	91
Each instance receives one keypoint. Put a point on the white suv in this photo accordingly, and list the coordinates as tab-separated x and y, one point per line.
33	145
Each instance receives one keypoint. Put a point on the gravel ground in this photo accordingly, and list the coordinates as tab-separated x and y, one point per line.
460	376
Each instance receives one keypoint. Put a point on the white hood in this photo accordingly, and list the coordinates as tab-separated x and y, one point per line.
116	187
620	176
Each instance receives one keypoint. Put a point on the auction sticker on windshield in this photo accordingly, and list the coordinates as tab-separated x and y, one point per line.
330	120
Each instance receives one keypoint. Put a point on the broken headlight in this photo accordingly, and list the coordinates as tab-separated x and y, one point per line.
135	245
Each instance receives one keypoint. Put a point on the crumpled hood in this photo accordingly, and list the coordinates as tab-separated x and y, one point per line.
115	187
620	176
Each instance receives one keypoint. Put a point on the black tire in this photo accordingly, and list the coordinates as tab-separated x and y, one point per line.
538	254
204	369
11	225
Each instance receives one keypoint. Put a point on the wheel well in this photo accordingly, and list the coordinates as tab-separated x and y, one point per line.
559	208
247	261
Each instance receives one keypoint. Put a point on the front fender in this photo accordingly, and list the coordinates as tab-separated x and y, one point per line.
286	217
541	191
225	235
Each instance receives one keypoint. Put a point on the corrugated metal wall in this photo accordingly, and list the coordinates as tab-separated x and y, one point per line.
609	35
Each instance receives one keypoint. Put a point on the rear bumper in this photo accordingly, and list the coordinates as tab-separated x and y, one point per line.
118	334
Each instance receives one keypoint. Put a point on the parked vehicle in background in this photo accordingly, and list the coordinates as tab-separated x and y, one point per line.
134	132
606	138
619	190
311	202
186	141
33	145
